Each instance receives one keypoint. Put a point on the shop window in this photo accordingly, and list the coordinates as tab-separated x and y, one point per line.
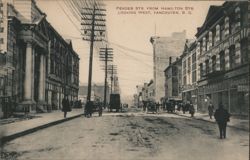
232	56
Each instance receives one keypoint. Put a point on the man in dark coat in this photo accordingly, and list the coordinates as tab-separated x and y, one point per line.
210	110
191	109
222	117
65	106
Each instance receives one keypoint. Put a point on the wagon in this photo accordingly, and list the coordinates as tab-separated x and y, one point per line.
151	107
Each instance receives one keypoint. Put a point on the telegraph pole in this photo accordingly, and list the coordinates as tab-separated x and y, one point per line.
106	55
113	70
90	24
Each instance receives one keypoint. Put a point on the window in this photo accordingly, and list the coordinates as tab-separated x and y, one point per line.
213	63
184	80
222	31
201	45
222	61
213	36
189	64
232	56
201	70
244	51
244	16
207	66
193	76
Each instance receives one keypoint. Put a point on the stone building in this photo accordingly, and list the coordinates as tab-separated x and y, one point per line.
163	48
223	56
189	72
40	67
173	79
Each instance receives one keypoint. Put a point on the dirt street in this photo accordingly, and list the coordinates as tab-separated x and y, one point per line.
130	136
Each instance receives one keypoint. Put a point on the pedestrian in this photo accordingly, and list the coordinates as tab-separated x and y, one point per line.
65	106
222	116
157	107
191	109
210	110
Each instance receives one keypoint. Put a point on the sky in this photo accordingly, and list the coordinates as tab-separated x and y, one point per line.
128	34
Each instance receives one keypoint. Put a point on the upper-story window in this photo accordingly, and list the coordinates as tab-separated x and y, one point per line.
213	36
222	61
232	56
189	64
213	63
201	46
244	51
193	76
222	31
207	66
244	16
201	70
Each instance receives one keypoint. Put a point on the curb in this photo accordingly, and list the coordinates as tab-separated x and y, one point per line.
243	129
5	139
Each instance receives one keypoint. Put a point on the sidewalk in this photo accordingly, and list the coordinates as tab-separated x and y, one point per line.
242	124
42	120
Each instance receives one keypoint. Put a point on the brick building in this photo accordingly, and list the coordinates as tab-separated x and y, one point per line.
189	72
173	79
38	67
223	56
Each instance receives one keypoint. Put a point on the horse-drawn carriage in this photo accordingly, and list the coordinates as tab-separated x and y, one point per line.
93	106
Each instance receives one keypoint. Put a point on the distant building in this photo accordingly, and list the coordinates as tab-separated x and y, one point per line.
223	56
97	92
163	48
173	79
38	67
151	90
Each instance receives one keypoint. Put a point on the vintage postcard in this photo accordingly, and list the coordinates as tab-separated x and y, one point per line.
124	79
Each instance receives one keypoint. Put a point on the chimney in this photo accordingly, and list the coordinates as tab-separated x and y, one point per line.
170	60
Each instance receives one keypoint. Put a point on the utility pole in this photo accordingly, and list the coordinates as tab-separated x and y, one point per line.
106	55
113	70
93	22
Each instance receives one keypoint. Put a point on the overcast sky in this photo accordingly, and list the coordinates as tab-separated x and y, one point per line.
131	31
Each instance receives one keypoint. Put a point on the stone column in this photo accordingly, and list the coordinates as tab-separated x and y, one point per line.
28	79
42	79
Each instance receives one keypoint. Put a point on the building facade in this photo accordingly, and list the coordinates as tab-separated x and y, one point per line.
189	73
223	56
173	79
163	48
40	67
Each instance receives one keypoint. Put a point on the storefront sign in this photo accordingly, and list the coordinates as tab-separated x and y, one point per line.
243	88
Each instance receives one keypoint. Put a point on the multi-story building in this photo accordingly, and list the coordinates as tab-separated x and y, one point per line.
40	66
151	90
163	48
223	57
173	79
189	72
